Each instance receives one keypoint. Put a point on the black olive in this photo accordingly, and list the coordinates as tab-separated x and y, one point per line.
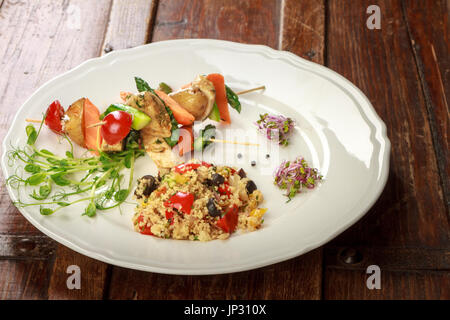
212	209
250	187
208	182
242	173
217	179
148	184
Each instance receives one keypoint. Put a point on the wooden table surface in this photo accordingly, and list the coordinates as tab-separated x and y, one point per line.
403	68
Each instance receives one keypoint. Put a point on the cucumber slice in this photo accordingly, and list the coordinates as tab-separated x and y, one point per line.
215	114
140	119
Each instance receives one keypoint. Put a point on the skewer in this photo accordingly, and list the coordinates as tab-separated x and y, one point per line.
96	124
33	120
102	123
234	142
251	90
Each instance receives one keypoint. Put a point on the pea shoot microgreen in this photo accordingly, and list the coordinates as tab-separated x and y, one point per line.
54	181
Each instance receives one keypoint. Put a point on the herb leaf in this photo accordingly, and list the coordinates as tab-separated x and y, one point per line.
141	84
32	168
121	195
36	179
44	192
164	87
233	99
31	134
45	211
128	160
90	210
59	179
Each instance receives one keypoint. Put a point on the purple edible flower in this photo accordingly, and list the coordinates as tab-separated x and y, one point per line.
294	175
275	127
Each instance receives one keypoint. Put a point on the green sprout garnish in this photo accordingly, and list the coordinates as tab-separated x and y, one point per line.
55	177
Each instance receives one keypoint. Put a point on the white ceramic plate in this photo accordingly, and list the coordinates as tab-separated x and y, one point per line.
337	131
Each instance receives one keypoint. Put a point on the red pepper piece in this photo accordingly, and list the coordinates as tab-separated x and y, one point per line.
181	201
146	229
169	216
225	190
160	191
185	167
229	221
206	164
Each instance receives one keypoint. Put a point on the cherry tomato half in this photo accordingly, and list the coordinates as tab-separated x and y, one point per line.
117	126
53	117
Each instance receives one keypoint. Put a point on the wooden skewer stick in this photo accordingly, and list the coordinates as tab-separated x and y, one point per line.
96	124
251	90
33	120
91	126
102	123
235	142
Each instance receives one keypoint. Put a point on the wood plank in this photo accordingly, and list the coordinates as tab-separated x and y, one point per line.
129	25
428	28
66	33
404	285
24	279
28	247
303	29
94	276
293	279
11	221
387	258
50	26
411	212
249	22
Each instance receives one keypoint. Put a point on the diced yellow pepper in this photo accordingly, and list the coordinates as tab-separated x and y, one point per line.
180	179
258	213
